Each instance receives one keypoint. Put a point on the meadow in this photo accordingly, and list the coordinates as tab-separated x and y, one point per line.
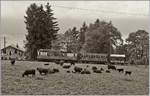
64	83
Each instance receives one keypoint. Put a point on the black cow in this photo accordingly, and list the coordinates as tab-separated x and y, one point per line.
102	69
107	71
12	61
111	67
67	66
46	64
120	70
28	72
128	72
55	70
85	71
51	71
94	68
43	70
77	69
68	71
61	62
57	62
97	71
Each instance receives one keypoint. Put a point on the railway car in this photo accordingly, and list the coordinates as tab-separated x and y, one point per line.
93	58
55	55
117	59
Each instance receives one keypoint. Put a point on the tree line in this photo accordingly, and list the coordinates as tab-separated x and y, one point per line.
97	37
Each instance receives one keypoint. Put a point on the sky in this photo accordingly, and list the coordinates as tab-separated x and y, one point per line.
126	16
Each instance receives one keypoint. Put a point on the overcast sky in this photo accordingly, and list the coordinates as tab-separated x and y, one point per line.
127	16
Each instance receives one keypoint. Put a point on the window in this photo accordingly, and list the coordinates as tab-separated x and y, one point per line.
10	53
15	51
4	51
20	54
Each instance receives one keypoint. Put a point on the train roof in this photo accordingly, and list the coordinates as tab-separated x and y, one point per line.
49	50
117	55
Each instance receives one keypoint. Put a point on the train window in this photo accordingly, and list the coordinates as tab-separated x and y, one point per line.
87	56
4	51
102	56
43	53
97	56
90	56
93	56
82	56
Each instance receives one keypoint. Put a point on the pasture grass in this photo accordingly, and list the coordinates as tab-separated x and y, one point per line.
64	83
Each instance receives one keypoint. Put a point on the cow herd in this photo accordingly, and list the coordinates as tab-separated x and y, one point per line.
75	69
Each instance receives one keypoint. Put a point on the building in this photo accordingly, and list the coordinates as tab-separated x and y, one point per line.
12	52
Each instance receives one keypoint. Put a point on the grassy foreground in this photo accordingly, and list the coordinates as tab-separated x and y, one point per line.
64	83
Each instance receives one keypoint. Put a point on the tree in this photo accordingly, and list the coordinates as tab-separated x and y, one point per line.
83	29
138	44
41	28
99	36
72	39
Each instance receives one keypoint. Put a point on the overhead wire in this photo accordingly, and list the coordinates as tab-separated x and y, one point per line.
101	11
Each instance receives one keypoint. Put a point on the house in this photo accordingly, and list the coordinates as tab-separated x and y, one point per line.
12	52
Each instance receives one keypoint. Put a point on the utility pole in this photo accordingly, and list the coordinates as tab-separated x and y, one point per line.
4	42
109	44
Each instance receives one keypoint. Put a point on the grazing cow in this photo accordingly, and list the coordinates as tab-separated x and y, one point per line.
77	69
97	71
67	66
57	62
72	63
43	70
107	71
51	71
46	64
55	70
28	72
111	67
12	61
85	71
68	71
102	69
120	70
128	72
61	62
94	68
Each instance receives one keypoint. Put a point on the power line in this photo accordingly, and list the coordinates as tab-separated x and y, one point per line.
100	11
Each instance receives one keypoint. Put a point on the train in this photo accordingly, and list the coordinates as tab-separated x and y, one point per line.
56	55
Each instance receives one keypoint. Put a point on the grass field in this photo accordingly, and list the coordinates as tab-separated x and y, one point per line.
64	83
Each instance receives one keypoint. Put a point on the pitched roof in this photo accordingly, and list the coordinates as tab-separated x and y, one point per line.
12	45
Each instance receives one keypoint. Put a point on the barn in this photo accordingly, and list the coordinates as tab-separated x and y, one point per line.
12	52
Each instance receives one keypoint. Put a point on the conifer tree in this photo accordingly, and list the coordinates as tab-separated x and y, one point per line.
41	29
